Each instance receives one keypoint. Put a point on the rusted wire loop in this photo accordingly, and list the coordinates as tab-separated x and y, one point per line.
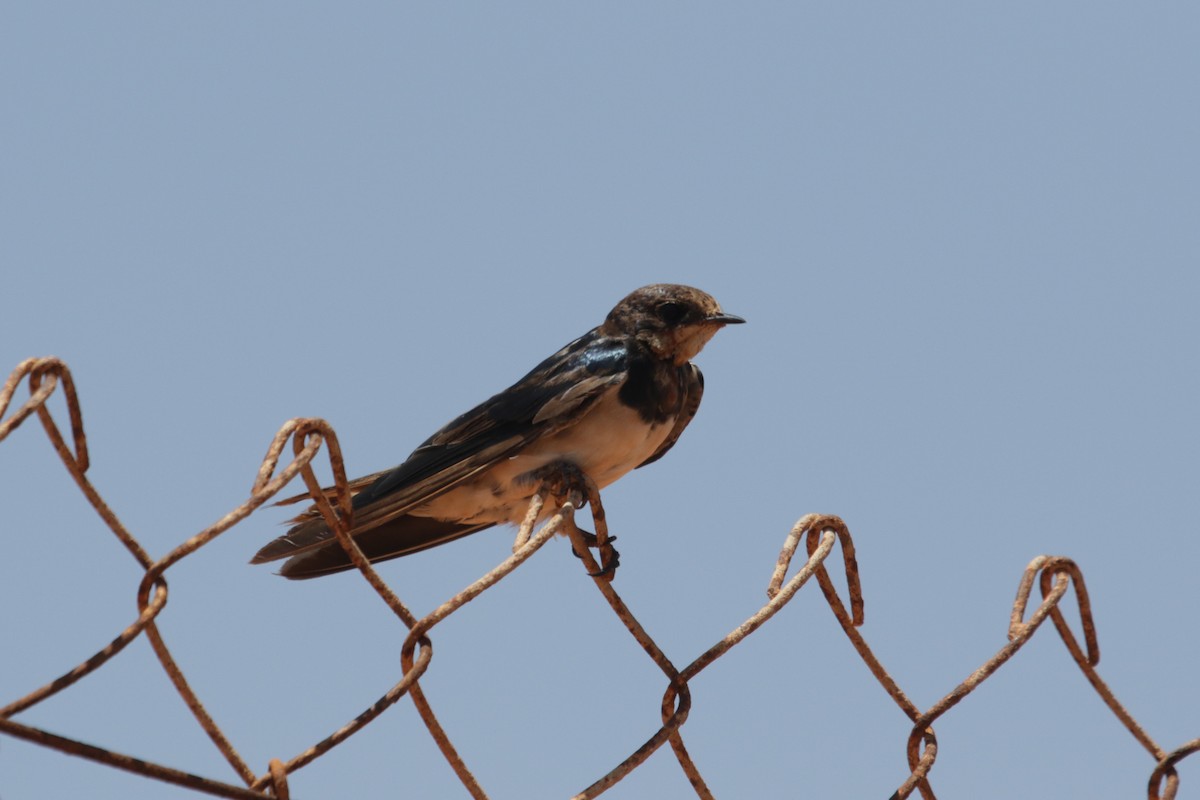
1065	570
1070	568
679	697
77	462
1166	769
1048	568
920	762
676	703
53	366
849	560
307	435
814	525
54	369
319	430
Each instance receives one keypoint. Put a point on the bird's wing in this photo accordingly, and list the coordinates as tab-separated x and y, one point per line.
693	385
553	396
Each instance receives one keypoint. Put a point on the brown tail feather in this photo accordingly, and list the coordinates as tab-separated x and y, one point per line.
322	555
309	533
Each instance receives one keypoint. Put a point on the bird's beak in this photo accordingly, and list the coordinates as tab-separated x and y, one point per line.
724	319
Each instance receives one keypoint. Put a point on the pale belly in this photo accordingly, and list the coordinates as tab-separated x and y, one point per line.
608	442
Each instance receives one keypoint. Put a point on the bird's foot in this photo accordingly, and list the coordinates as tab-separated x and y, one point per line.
564	481
610	558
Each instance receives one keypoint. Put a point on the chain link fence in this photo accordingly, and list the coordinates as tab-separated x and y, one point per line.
1054	576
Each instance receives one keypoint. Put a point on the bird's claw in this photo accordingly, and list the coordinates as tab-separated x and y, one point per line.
610	559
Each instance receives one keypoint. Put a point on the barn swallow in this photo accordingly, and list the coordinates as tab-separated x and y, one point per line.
615	399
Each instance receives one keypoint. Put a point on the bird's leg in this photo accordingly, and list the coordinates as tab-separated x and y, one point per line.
563	480
610	559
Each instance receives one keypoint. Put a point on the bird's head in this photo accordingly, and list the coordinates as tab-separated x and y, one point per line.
674	321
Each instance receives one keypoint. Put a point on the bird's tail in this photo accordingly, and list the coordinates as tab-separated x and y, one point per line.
311	549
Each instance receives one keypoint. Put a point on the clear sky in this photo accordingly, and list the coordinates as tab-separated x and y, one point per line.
966	238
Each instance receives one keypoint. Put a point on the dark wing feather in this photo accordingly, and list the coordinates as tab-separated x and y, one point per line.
693	385
549	398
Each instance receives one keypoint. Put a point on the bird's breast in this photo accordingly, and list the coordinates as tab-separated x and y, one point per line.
611	439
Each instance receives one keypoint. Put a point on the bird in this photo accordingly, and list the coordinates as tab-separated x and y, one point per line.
615	399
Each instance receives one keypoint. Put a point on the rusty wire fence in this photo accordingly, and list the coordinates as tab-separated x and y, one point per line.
1055	577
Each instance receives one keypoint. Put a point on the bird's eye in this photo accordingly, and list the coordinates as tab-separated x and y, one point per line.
670	313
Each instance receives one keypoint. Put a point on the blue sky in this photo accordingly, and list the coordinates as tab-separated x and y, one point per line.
965	239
